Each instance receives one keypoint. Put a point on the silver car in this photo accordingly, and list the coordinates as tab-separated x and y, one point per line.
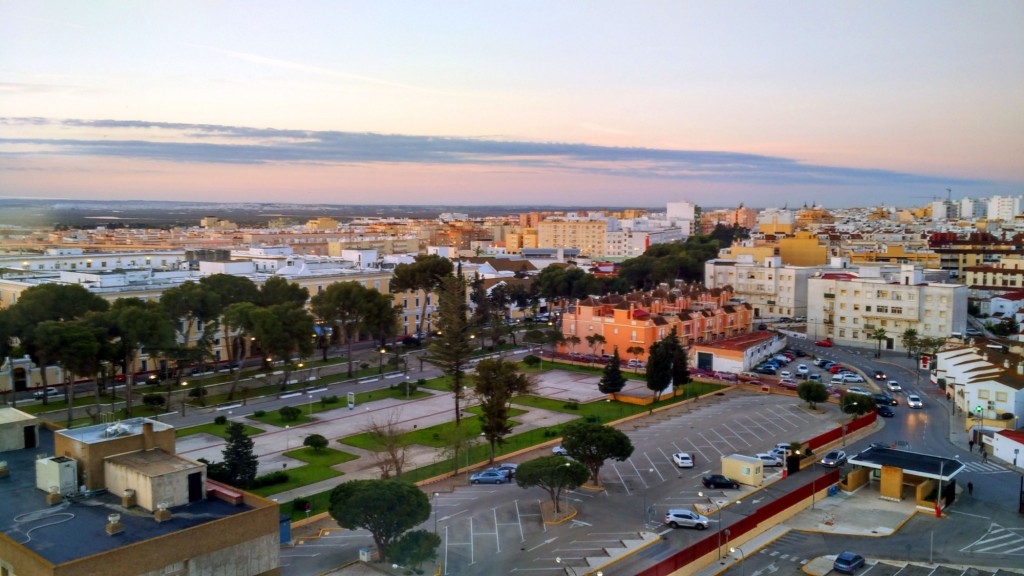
914	401
686	518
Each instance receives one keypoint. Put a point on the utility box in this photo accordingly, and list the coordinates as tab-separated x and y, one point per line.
58	472
743	469
369	554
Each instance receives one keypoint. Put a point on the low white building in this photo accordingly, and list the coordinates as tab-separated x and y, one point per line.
985	381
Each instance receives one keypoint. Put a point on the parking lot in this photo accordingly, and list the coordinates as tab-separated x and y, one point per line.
488	529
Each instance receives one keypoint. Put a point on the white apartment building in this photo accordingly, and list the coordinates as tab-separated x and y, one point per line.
848	307
972	208
56	259
590	236
983	377
771	289
1003	208
684	215
630	243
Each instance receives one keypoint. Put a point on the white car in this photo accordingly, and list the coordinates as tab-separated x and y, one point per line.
914	401
770	460
688	518
559	451
851	377
683	460
785	374
802	369
634	363
895	386
858	391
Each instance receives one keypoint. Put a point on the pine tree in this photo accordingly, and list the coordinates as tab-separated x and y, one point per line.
612	381
239	460
451	350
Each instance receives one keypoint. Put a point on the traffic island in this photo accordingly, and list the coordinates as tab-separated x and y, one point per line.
550	516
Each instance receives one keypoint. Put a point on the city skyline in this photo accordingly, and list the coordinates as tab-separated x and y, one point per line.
600	104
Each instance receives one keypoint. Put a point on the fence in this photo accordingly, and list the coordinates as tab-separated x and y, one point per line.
836	434
763	514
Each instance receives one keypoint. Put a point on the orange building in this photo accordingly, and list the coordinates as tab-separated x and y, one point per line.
640	319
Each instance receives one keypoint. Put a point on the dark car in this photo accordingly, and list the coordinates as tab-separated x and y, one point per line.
848	562
800	354
719	481
885	411
510	468
765	370
879	375
762	326
885	400
834	459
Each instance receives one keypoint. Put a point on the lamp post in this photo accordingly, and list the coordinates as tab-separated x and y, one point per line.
311	406
436	494
297	371
727	534
719	514
733	550
406	386
380	362
1020	500
644	515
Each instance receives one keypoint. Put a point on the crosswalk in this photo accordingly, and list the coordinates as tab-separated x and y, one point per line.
784	547
984	468
998	540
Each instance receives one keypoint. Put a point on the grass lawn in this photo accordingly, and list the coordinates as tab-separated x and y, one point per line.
273	418
432	436
325	457
219	430
297	477
56	404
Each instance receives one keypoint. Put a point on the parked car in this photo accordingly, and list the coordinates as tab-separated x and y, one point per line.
848	563
860	391
765	370
838	379
879	375
824	343
50	392
785	374
802	369
491	476
510	468
914	401
679	518
762	326
815	377
973	332
885	411
719	481
800	353
834	459
559	451
836	368
768	459
683	460
895	386
885	400
634	363
851	377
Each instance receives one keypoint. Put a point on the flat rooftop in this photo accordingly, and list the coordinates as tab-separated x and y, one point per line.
924	465
10	415
73	530
119	429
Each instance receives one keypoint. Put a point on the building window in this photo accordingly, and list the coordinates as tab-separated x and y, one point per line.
897	310
883	309
842	333
983	394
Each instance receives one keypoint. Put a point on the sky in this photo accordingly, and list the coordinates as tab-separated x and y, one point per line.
602	103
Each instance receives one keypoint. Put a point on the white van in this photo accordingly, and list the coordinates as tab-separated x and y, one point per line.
838	379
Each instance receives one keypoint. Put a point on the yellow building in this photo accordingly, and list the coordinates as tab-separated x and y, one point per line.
587	235
895	255
322	223
802	250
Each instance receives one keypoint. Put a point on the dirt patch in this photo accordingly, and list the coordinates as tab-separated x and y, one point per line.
548	514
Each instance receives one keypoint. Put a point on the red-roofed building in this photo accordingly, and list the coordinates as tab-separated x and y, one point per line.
1008	446
737	354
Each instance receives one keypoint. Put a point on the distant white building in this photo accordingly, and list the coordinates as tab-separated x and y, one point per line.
1003	207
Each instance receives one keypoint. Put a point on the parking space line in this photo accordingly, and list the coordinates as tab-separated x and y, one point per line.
446	550
655	468
723	439
758	424
696	450
472	558
519	521
621	479
710	443
642	479
496	539
776	424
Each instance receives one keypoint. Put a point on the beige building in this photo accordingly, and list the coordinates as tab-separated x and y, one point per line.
849	307
588	235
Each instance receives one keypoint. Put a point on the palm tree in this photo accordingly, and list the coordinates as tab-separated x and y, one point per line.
910	341
595	341
879	335
572	341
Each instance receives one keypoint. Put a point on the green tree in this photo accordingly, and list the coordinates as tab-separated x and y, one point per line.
230	290
909	340
385	508
344	304
59	302
591	444
659	369
812	392
572	341
680	362
856	404
553	474
636	352
496	383
451	350
595	341
135	325
316	442
612	381
284	330
426	273
192	308
238	319
240	462
75	346
277	290
289	413
415	547
381	316
879	335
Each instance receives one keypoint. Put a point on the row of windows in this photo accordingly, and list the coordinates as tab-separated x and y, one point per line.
985	395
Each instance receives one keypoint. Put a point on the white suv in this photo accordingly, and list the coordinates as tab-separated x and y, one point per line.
895	386
688	518
770	460
851	377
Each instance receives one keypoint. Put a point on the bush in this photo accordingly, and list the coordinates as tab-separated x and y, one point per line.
290	413
593	418
571	405
220	420
154	400
325	400
1006	416
279	477
300	504
531	360
259	413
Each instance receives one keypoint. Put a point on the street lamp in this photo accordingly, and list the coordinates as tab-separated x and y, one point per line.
311	406
559	561
380	363
436	494
643	513
566	491
719	513
406	386
733	550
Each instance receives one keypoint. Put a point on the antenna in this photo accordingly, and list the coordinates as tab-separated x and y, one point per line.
949	194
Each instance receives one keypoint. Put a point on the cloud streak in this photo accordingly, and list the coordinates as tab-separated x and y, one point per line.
233	145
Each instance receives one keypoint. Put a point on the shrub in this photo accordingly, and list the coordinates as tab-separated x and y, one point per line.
290	413
1006	416
299	504
593	418
154	400
571	405
531	360
271	479
259	413
220	420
